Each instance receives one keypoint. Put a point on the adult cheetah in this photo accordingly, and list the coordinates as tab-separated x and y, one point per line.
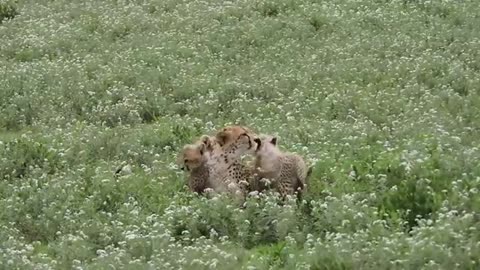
220	169
227	172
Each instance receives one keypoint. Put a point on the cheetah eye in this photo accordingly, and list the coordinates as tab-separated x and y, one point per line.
259	142
185	160
249	140
244	135
201	152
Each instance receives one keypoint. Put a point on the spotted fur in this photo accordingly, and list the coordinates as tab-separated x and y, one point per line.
217	165
194	160
227	173
287	172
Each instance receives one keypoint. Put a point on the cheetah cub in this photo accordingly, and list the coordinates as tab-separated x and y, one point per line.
194	159
286	171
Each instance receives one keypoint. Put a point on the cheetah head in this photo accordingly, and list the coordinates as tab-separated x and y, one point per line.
266	144
245	144
192	156
230	134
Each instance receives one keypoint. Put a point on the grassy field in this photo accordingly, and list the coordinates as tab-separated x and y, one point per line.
382	96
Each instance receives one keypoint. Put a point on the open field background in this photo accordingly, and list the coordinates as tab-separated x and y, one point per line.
383	96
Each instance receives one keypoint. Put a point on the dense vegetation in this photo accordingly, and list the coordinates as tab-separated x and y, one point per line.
383	96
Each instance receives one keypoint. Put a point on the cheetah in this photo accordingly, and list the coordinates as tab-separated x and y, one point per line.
287	172
227	173
193	159
219	170
228	135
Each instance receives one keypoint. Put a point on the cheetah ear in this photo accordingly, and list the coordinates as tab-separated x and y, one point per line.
202	147
273	140
205	140
221	137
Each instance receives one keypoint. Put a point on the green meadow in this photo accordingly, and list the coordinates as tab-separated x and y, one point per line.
382	97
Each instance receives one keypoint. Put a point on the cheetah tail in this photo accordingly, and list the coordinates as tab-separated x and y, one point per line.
309	173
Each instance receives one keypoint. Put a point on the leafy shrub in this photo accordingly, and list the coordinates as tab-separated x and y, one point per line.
8	10
22	156
380	96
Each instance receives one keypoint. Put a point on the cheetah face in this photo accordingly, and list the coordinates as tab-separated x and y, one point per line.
192	156
230	134
265	143
245	144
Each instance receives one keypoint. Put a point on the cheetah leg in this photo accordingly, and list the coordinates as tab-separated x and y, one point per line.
284	190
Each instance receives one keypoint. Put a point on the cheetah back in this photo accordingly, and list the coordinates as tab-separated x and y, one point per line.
292	174
226	162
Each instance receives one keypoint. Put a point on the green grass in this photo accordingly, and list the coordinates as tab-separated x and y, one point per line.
383	97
